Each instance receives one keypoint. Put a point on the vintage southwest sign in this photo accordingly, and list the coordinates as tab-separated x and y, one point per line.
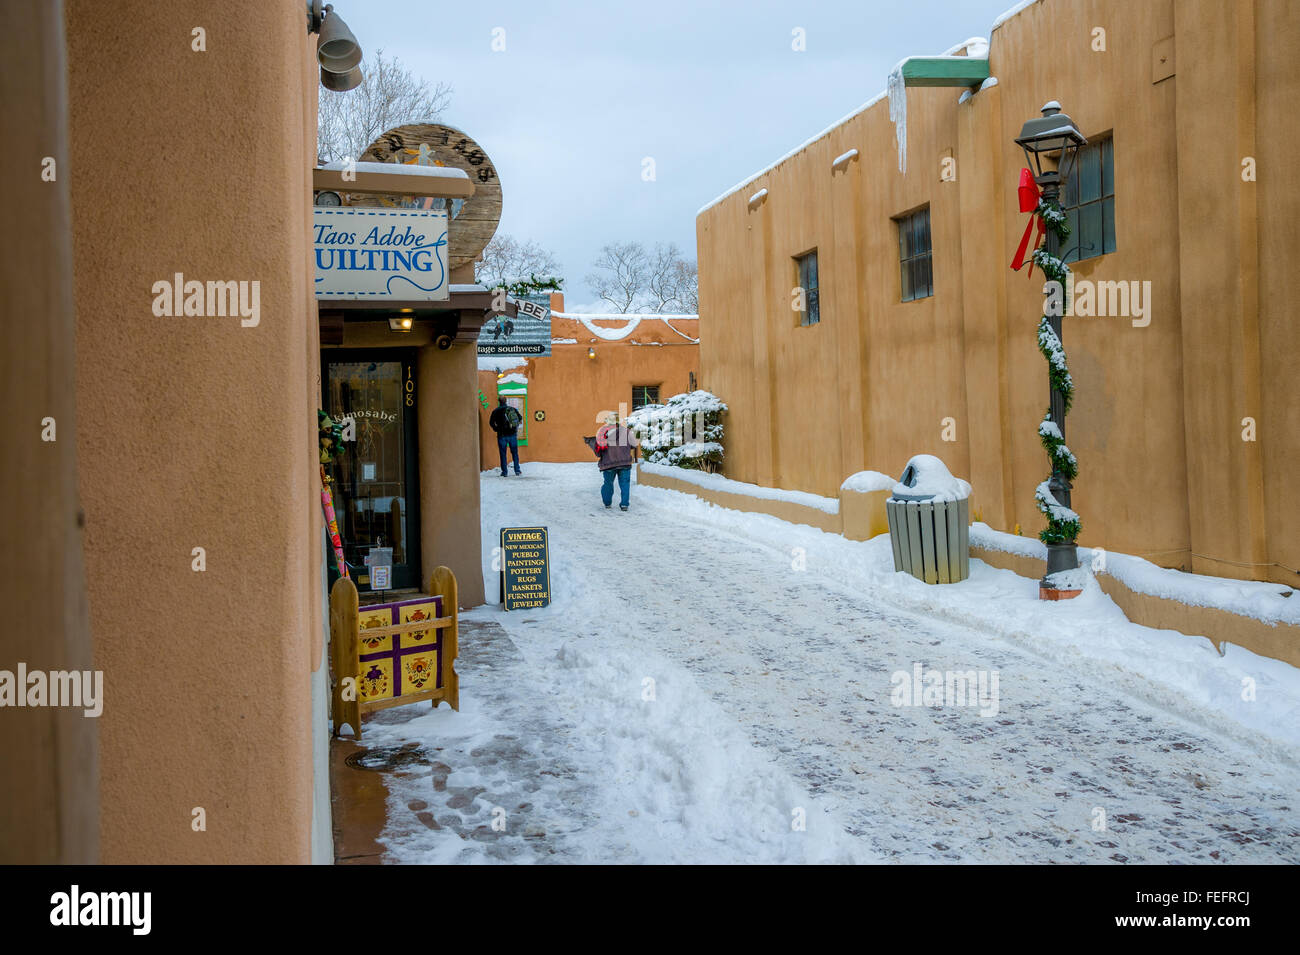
525	568
527	334
378	254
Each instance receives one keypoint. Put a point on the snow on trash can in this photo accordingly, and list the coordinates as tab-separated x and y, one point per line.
929	522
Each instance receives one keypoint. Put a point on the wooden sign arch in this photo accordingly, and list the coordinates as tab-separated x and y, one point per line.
474	220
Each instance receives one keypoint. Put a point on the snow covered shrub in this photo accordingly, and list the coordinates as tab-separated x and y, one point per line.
684	433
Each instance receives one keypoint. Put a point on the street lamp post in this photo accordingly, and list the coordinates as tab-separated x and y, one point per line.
1050	143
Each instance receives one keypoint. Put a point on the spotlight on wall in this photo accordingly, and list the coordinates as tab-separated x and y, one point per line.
591	353
403	323
336	48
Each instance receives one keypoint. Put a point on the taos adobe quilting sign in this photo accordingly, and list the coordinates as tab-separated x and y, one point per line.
378	254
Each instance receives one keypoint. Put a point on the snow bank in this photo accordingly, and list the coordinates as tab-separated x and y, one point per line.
717	482
1248	598
981	535
1182	673
866	481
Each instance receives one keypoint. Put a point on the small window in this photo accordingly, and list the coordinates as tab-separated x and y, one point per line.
916	271
643	395
1088	199
807	264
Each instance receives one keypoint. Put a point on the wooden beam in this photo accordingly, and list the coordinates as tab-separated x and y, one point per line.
945	70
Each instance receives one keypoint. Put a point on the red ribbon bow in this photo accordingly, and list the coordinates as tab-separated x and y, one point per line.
1029	194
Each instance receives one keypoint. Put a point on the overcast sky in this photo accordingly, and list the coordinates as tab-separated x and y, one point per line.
583	92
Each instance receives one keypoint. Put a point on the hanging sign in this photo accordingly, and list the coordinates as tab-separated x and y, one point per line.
381	254
525	568
528	334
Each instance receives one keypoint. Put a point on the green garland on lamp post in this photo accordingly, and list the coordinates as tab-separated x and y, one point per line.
1053	495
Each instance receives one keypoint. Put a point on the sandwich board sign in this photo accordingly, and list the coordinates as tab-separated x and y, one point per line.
525	568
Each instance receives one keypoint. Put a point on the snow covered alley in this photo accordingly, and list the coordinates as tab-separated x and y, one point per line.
711	686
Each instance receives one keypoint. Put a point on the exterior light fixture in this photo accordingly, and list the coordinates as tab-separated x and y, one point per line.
591	353
336	48
1052	135
402	323
328	197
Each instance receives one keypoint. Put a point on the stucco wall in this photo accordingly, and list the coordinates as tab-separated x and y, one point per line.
1156	422
197	432
449	484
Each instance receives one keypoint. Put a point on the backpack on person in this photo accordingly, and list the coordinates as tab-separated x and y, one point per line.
513	418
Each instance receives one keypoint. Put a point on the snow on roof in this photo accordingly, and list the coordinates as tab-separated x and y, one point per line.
631	320
794	152
499	363
974	46
514	378
1008	14
389	168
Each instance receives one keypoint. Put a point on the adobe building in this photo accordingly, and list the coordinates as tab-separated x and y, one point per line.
167	453
598	364
924	340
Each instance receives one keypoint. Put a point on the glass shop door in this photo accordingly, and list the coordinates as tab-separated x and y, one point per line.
376	482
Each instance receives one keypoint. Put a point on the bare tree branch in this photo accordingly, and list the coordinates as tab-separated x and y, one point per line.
686	287
622	276
661	282
389	95
508	260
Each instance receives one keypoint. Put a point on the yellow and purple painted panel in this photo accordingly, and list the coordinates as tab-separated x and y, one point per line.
401	664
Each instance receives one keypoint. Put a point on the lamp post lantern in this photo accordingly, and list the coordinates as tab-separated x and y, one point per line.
1050	143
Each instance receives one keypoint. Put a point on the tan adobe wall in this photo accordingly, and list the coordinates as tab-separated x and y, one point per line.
1157	421
195	431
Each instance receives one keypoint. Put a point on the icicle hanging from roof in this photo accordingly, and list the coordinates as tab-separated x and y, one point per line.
898	113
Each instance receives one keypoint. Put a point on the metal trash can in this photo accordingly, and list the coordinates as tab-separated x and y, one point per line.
929	522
